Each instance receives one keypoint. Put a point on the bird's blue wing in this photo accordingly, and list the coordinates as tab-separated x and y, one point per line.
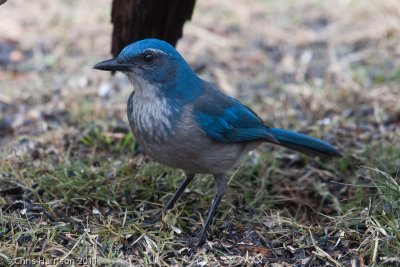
225	119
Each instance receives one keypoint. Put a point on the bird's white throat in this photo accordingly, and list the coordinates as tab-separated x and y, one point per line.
150	111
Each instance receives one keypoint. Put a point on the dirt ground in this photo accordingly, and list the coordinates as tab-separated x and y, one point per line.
75	188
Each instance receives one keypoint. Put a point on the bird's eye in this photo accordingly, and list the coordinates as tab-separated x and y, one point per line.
148	58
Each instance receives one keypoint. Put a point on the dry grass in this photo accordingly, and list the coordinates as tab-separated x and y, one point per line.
74	188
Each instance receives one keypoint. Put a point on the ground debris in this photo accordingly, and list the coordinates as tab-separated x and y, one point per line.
74	184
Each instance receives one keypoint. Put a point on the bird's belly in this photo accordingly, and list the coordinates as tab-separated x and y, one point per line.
197	156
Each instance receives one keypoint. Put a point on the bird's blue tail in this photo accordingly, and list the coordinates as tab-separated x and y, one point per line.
303	143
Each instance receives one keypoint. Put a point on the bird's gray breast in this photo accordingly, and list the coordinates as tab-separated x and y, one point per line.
150	117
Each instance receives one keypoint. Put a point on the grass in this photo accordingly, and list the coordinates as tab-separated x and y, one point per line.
94	208
75	188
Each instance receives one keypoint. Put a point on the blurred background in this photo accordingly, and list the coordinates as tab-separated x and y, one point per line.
326	68
292	62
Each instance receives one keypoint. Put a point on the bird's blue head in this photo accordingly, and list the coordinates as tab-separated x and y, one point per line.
151	62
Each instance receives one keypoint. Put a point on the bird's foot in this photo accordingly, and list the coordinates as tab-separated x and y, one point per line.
196	241
158	217
153	220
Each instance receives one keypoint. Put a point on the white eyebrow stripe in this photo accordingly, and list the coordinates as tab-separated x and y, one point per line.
156	51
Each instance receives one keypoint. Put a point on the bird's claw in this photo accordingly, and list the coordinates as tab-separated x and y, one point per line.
153	220
194	241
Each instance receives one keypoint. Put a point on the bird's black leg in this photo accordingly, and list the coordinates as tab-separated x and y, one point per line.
220	186
170	205
178	193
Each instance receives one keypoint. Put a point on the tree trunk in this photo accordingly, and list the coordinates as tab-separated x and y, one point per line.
139	19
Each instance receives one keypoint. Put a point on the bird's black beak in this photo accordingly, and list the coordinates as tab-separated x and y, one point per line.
112	65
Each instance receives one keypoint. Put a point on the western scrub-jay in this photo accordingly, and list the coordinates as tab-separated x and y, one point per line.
184	122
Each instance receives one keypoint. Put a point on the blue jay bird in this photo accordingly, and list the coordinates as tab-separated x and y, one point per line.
184	122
